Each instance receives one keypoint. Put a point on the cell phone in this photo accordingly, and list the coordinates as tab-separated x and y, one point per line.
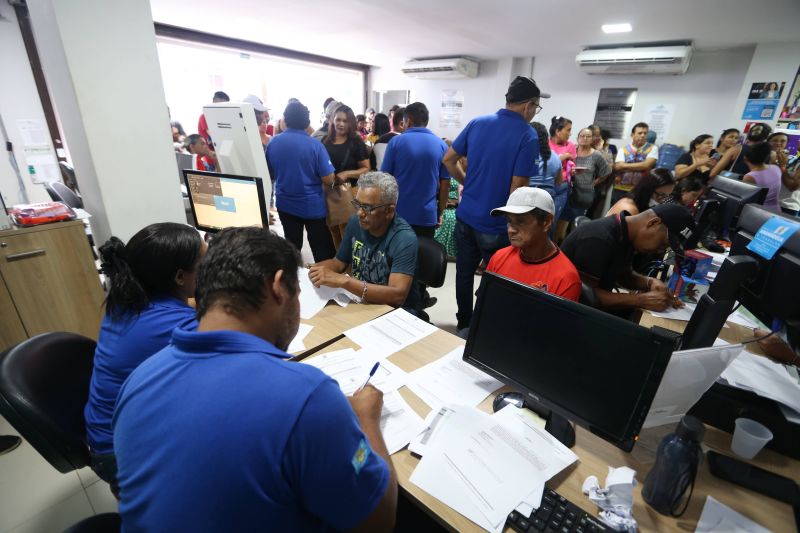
754	478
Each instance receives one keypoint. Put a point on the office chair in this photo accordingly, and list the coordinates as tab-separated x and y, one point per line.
61	193
587	297
431	262
68	175
101	523
580	220
44	386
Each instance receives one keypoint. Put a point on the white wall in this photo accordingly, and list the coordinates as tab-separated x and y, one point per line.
102	70
703	97
18	100
771	62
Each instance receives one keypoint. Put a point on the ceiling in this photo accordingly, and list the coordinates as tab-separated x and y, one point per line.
379	32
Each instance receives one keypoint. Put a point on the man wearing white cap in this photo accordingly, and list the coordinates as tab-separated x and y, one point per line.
533	258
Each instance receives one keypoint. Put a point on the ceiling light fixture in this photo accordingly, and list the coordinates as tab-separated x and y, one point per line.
616	28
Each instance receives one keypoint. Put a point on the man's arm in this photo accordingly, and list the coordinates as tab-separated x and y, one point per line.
725	161
450	161
329	179
394	293
643	166
517	182
331	264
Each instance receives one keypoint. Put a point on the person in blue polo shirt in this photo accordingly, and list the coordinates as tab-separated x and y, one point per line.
415	160
150	281
501	150
301	167
220	431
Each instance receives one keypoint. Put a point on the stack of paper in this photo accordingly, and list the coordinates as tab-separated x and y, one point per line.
399	422
313	299
297	343
486	466
719	518
450	380
765	378
391	332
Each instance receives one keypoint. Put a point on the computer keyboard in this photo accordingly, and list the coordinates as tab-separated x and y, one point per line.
556	514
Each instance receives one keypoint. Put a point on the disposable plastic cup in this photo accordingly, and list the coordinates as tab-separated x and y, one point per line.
749	437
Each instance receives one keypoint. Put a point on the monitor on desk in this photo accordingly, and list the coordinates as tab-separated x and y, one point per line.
591	367
223	200
732	196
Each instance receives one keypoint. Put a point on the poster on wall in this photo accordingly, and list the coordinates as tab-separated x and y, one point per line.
614	109
763	100
659	118
452	110
790	113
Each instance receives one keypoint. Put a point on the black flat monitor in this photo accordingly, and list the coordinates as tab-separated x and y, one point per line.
733	195
591	367
775	292
221	201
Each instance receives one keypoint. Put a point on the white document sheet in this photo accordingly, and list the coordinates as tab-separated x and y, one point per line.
351	368
719	518
399	422
765	378
449	380
297	343
312	300
391	332
435	420
684	313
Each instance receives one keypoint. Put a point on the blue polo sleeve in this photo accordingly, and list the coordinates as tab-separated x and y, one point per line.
403	251
460	144
324	165
345	252
443	174
525	164
269	159
388	157
329	463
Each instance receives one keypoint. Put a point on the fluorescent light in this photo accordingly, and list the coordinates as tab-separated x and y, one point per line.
617	28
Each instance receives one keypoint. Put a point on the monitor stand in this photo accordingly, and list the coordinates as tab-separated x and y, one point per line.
555	424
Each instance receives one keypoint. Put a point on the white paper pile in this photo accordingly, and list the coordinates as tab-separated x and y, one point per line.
297	343
765	378
486	466
313	299
391	332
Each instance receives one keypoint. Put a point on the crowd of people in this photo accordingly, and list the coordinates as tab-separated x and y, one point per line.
220	415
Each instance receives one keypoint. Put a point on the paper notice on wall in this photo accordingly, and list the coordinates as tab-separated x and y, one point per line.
451	112
659	118
33	132
41	164
614	108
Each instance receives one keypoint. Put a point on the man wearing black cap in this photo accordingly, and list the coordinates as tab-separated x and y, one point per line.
501	150
602	251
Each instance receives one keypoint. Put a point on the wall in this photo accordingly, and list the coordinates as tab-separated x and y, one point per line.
703	97
102	70
18	100
771	62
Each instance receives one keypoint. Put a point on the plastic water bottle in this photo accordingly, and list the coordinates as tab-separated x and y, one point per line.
674	471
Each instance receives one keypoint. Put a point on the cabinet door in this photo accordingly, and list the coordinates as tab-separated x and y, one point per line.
53	281
11	329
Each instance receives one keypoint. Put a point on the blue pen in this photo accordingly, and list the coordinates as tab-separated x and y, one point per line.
371	373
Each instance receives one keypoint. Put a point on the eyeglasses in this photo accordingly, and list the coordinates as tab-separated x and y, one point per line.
368	209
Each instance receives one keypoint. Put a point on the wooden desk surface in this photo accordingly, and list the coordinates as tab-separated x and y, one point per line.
333	319
596	455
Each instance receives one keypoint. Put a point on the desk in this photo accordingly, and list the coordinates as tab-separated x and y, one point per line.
333	319
596	455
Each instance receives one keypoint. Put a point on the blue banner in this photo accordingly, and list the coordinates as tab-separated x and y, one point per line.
771	236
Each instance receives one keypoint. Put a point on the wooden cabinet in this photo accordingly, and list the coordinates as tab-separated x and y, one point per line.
49	282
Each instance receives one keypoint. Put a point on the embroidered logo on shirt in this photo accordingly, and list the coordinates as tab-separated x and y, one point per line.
361	456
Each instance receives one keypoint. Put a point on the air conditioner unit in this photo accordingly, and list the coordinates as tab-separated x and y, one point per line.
635	60
444	68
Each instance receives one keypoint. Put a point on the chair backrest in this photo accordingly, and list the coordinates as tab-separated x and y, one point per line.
668	155
44	386
431	262
588	297
61	193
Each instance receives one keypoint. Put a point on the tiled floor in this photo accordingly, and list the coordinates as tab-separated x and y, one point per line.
36	498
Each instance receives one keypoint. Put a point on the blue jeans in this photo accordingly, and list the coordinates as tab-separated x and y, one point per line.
560	201
472	246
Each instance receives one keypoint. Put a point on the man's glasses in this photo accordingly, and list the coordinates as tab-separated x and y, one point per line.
368	209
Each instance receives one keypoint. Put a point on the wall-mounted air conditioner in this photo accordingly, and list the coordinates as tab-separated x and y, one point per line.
635	60
444	68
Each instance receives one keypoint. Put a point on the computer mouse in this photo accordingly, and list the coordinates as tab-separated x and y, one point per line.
514	398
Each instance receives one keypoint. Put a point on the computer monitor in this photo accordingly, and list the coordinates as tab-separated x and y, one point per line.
772	295
733	196
221	201
237	143
591	367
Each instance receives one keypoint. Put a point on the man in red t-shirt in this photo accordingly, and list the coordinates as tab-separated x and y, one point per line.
202	125
532	257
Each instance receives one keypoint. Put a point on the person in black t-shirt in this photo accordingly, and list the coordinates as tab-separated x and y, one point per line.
699	160
602	251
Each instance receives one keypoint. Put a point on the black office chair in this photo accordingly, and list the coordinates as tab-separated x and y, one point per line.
44	386
588	296
101	523
68	175
580	220
61	193
431	262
